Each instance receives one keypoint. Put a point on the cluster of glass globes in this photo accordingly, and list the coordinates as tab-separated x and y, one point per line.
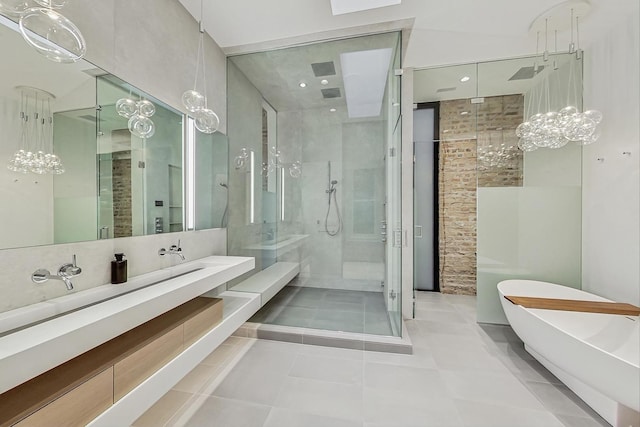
556	129
240	160
206	120
501	156
275	161
138	113
39	163
295	170
46	29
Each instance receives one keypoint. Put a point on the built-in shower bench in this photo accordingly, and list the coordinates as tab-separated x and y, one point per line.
269	281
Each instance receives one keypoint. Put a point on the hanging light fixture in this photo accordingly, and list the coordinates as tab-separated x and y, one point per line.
205	119
47	30
35	151
138	113
13	8
547	128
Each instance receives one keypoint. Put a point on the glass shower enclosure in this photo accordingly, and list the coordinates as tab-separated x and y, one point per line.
314	178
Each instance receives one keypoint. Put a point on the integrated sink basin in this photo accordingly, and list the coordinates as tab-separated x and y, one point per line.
65	327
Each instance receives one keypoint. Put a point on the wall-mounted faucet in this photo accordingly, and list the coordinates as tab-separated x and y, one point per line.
173	250
65	273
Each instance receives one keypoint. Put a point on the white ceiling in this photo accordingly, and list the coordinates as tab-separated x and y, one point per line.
444	32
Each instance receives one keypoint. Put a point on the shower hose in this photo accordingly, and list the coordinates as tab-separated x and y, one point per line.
337	209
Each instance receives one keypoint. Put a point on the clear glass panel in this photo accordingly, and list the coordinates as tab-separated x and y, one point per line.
453	89
395	233
314	200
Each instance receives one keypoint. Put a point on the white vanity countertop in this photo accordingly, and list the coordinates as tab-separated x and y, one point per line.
29	352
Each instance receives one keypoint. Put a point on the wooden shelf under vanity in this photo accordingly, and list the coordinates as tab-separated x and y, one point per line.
82	388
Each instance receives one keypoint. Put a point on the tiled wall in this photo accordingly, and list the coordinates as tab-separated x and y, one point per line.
464	127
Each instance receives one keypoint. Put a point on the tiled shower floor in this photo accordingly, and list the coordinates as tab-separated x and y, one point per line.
329	309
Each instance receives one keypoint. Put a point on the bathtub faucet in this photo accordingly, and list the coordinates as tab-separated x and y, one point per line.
65	273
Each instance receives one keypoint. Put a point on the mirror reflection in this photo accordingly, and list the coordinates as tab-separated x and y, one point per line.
122	172
139	178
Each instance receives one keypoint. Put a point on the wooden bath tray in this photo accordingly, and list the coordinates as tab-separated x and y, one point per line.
576	305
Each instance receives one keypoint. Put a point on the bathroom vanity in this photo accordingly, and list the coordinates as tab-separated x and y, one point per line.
115	355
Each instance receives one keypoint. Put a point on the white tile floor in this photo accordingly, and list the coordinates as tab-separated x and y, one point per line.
461	374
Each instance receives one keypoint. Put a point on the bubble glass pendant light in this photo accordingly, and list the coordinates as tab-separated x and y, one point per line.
35	153
205	119
52	4
13	8
126	107
51	33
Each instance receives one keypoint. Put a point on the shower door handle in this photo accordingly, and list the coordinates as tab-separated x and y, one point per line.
397	238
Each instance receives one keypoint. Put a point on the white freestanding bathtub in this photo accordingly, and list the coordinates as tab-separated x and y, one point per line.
595	355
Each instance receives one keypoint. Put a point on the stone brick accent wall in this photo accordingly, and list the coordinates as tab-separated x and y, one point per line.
463	128
499	159
121	181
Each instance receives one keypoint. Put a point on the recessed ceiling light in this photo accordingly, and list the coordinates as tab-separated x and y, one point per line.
464	113
324	82
302	84
333	110
465	79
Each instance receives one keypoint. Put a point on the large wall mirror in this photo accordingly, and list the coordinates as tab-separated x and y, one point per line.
105	181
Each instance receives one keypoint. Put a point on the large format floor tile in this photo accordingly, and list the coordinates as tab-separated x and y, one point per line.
460	374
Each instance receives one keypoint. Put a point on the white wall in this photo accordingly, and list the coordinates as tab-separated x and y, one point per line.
611	188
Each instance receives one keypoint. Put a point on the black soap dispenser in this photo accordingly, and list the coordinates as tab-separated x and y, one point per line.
119	269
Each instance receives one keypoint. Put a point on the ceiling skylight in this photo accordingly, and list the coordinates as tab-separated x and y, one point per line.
340	7
365	76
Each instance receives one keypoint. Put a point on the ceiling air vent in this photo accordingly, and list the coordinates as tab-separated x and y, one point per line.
321	69
526	73
332	92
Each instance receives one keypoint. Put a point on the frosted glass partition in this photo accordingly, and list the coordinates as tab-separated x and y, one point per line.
529	228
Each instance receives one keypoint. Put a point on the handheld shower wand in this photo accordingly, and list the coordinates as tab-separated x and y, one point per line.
332	191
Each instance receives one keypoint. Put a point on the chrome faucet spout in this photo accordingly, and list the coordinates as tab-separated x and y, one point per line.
65	273
66	280
173	250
